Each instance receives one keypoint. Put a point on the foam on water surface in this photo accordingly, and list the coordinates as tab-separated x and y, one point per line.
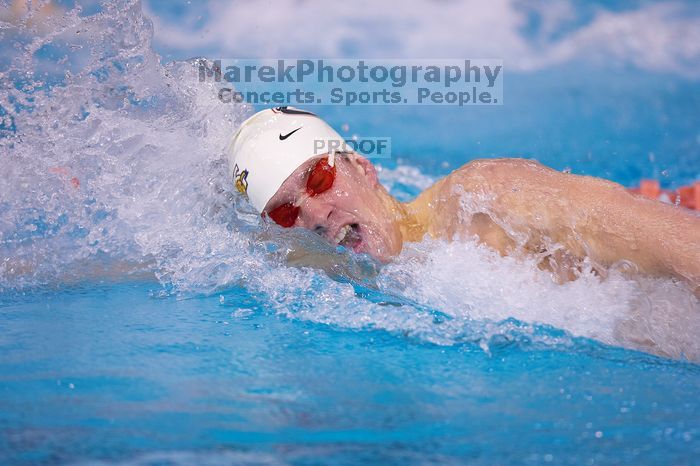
115	167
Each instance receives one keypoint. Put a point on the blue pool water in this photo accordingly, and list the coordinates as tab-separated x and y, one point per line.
148	316
112	372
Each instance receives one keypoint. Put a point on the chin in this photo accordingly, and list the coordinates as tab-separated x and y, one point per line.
381	249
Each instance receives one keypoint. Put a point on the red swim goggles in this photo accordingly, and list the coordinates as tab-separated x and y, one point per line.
320	180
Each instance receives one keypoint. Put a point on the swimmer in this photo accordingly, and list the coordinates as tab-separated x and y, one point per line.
278	160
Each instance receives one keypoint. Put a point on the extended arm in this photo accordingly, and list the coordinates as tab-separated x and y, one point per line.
511	202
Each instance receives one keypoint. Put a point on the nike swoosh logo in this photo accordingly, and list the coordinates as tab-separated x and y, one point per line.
282	138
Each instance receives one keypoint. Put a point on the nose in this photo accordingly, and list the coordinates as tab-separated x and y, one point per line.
314	215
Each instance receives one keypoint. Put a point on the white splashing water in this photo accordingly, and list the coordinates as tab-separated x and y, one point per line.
116	166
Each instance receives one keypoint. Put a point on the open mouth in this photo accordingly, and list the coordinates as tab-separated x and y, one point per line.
349	236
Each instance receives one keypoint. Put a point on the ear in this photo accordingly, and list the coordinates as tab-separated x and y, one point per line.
365	167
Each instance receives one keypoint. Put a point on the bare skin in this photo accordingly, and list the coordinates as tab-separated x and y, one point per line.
512	205
589	217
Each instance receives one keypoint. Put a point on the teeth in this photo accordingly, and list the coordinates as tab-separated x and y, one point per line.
342	234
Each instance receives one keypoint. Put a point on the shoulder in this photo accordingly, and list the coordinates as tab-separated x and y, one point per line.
507	173
480	174
496	169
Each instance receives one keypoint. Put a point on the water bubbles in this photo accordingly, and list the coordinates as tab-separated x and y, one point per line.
241	313
104	151
471	283
142	187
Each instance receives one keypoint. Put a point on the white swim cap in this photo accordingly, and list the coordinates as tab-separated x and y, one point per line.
270	145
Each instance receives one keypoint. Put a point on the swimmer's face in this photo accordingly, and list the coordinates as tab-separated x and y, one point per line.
353	213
